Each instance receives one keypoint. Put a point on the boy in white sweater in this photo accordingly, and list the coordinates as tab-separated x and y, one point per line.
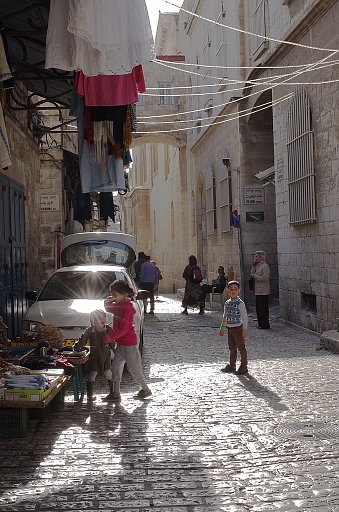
235	320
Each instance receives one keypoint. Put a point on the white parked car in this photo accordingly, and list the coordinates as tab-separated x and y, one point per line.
92	261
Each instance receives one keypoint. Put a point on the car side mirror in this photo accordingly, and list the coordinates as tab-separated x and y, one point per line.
31	295
143	294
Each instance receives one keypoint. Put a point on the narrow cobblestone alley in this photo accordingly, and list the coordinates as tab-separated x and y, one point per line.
204	442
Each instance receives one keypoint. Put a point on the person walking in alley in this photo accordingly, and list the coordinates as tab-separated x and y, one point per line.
149	278
127	351
137	266
156	287
100	353
261	274
193	295
235	320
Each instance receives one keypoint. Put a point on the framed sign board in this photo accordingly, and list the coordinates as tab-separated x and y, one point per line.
254	195
255	217
50	203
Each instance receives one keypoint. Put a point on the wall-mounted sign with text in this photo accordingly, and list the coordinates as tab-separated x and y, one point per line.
254	195
50	203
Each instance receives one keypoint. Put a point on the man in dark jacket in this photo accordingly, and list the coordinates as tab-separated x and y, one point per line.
218	285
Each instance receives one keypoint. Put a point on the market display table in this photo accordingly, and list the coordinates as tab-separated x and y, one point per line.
14	415
78	359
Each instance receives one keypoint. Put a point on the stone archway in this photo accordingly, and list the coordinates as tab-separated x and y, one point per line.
258	199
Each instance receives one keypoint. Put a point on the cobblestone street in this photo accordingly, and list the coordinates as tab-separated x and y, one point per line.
204	442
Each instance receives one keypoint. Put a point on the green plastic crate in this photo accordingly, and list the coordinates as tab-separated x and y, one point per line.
37	414
58	402
13	423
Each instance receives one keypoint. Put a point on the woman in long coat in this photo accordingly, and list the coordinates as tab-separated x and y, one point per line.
193	295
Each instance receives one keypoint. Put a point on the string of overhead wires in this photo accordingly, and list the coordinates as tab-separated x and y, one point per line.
237	115
214	122
264	83
220	116
259	82
227	81
315	65
217	66
265	38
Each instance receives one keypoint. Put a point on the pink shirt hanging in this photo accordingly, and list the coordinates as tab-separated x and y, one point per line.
110	90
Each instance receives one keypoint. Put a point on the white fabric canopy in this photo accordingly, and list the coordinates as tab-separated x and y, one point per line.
108	37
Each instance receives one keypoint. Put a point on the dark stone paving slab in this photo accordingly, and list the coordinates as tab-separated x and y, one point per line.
204	442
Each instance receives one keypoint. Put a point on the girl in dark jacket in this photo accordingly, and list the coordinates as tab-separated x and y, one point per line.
100	352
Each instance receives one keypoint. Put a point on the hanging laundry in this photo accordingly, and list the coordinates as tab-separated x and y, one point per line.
106	206
95	177
110	90
111	38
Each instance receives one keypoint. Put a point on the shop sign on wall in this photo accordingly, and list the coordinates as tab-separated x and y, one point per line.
50	203
254	195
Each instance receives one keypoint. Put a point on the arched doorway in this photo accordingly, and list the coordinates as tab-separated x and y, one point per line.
258	200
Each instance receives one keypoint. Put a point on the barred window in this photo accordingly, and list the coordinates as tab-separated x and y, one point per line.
300	161
225	200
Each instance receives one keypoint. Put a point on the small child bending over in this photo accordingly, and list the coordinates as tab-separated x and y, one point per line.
235	320
127	351
100	353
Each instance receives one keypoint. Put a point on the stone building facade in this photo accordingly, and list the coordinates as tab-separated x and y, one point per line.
261	140
27	240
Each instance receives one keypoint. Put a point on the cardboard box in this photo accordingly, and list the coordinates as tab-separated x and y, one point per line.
29	395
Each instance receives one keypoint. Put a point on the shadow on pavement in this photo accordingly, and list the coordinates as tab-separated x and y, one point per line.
263	392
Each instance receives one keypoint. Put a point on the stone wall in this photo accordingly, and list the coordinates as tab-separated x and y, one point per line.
25	169
37	165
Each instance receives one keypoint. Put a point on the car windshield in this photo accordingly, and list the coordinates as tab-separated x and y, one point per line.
79	285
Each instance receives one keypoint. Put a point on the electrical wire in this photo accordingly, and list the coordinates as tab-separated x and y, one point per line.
216	66
249	95
265	38
251	82
222	80
237	116
246	111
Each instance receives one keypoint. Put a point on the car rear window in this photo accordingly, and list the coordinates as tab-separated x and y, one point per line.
97	252
80	285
